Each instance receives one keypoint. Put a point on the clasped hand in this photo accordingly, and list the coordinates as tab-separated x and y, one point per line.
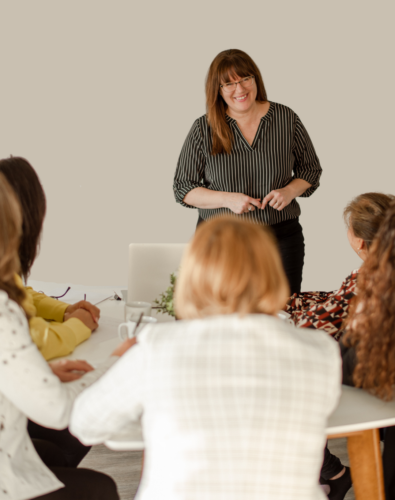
240	203
85	312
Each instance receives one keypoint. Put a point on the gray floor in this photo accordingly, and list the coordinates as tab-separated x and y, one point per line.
125	467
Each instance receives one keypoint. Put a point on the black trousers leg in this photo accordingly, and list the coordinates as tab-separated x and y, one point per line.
290	240
49	453
72	449
389	463
82	484
331	466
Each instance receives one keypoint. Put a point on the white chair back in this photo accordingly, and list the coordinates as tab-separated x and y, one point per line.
150	266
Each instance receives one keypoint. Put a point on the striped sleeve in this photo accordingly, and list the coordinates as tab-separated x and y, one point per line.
190	167
307	165
280	152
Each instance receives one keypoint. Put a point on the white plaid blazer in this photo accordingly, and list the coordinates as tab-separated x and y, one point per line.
231	408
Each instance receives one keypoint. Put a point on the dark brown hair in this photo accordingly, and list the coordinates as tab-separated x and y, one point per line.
26	184
371	323
232	63
10	232
365	213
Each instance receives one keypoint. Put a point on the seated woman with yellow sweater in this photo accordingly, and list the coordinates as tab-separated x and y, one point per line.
56	327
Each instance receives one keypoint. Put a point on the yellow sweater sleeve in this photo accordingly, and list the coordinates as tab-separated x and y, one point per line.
47	307
53	338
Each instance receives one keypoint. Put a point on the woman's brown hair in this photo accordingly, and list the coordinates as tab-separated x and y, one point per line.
10	232
232	63
26	184
365	213
371	323
231	266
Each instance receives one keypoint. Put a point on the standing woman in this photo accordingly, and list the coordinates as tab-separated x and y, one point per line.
249	156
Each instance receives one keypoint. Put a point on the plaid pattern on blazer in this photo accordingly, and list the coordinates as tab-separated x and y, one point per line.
232	408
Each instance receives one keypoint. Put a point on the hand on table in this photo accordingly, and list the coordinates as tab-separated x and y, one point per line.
278	198
125	346
240	203
84	316
67	370
84	304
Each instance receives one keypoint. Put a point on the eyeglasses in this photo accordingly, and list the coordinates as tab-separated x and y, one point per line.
231	86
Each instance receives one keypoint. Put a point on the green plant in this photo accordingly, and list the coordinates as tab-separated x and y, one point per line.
164	303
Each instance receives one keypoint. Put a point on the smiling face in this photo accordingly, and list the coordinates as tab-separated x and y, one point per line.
241	99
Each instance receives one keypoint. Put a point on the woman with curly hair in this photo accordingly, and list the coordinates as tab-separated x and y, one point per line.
327	310
368	348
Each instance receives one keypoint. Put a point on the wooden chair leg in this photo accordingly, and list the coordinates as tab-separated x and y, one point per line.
366	465
142	465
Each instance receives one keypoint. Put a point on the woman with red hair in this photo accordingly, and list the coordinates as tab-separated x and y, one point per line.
249	156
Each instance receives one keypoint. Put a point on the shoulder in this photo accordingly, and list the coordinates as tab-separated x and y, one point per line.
198	131
282	110
350	282
201	125
268	329
265	337
14	330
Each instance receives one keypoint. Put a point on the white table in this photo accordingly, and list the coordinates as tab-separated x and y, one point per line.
357	417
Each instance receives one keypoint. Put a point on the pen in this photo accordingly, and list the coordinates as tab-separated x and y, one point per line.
93	317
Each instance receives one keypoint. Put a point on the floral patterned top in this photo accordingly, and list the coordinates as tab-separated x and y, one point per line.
323	310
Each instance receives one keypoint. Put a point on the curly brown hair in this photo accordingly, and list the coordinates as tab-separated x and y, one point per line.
10	233
371	323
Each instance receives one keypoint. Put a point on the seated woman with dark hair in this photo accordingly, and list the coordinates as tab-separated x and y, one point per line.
56	327
368	348
29	389
327	310
234	401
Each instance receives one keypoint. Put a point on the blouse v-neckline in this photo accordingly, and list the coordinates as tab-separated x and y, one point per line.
264	118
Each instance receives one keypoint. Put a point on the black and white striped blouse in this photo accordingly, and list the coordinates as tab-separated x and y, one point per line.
281	151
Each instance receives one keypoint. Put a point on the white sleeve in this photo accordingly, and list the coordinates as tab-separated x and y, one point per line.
25	377
334	379
112	402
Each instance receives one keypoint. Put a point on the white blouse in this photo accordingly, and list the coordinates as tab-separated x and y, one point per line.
232	408
29	389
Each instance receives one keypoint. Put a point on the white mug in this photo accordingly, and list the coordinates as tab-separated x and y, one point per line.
131	325
135	308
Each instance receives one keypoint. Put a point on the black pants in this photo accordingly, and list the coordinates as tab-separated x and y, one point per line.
72	450
331	466
389	462
80	484
289	235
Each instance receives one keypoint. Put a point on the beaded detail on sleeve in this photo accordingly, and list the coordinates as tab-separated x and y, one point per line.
323	310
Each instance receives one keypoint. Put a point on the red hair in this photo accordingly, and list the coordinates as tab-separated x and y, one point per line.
232	63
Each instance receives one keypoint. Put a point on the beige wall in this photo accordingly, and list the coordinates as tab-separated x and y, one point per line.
99	96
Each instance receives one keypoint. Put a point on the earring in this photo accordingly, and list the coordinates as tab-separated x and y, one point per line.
359	251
